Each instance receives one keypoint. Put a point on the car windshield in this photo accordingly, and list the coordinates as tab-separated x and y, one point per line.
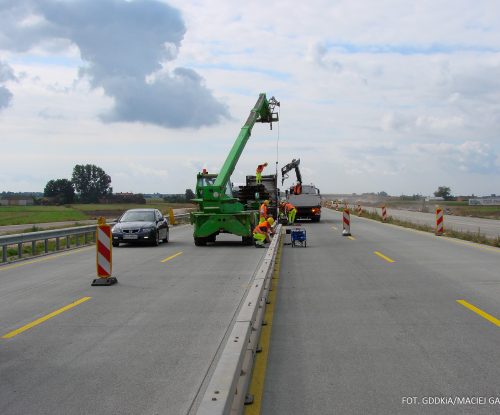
138	216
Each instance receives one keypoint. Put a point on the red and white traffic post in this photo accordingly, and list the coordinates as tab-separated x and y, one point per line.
359	209
346	223
439	221
384	214
104	257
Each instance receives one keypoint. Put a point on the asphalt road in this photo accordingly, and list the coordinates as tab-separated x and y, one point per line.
355	334
143	346
488	227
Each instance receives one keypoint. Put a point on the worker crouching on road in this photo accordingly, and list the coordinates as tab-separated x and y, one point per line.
291	212
263	211
262	232
258	173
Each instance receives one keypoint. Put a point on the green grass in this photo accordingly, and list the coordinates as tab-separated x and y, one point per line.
20	215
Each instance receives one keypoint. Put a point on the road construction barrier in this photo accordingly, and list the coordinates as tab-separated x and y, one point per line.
336	205
439	221
346	223
384	214
226	392
359	210
104	258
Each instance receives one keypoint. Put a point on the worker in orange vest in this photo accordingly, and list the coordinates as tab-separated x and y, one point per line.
262	232
258	172
263	211
291	212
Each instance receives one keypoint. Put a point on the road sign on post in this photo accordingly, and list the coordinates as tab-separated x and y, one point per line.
439	221
104	258
171	216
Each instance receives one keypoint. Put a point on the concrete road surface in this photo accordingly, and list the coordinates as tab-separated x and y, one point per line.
143	346
354	333
488	227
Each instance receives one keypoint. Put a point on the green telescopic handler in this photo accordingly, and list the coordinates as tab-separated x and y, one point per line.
220	212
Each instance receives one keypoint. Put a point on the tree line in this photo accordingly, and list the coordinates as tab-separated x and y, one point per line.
90	184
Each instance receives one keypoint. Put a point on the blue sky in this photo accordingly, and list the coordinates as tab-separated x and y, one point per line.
396	96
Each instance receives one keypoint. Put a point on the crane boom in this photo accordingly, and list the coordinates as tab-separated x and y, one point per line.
263	111
294	164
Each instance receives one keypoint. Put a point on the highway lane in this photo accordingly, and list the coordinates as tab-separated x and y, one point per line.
355	334
143	346
488	227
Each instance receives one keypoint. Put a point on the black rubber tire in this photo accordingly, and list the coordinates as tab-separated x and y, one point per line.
116	244
247	240
156	241
200	241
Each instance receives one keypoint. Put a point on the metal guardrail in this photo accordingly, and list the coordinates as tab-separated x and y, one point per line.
227	389
82	235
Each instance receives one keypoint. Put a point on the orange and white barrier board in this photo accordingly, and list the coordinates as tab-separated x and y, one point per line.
439	221
104	258
346	223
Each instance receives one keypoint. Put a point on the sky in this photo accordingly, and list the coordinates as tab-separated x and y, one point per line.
394	95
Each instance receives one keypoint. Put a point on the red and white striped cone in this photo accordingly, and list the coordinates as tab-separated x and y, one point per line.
384	214
337	206
346	223
439	222
104	259
359	210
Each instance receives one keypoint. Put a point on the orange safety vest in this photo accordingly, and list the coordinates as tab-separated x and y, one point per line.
262	227
263	210
289	207
260	168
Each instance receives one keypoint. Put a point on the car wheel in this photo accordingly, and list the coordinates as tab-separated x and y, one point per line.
156	241
200	241
116	244
166	237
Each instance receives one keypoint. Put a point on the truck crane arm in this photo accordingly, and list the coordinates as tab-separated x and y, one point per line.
294	164
263	111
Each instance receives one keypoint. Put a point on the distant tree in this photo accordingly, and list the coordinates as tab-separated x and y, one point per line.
384	194
444	192
90	182
60	190
189	195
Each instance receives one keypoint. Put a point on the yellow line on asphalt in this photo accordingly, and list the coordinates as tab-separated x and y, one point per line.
171	257
483	314
352	238
45	258
383	256
335	228
44	318
259	370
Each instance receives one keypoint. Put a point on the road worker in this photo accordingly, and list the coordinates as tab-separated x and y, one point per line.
258	172
263	211
291	212
262	232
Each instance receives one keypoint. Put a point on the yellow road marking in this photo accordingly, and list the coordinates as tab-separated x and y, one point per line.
476	310
260	366
352	238
335	228
383	256
171	257
44	318
45	258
